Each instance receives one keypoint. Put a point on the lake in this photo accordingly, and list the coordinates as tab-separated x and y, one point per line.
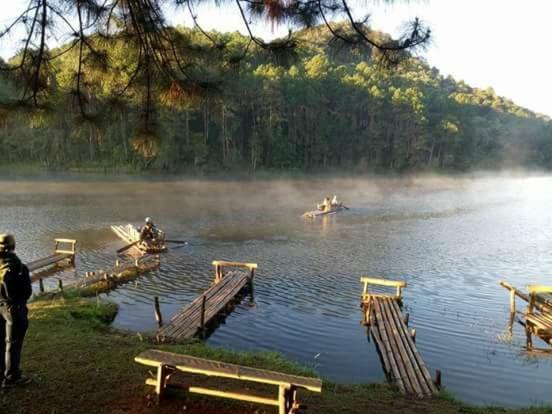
451	239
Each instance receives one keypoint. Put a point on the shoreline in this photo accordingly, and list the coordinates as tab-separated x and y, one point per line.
79	363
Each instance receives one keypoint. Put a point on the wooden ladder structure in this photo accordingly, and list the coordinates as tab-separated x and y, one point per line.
60	254
401	360
193	318
537	319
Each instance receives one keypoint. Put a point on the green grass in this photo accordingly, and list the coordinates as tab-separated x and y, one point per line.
81	365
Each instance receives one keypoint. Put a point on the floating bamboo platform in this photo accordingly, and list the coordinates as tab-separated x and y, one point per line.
60	256
130	235
121	273
193	319
401	360
537	319
103	281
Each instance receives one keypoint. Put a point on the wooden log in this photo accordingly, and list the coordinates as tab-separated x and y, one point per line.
438	378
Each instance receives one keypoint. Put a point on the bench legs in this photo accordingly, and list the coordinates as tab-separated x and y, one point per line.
161	381
287	399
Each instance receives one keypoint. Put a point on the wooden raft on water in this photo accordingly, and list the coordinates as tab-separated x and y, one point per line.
60	255
396	345
537	319
193	318
130	235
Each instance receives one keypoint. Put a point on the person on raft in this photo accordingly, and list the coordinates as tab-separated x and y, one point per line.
334	202
326	205
148	233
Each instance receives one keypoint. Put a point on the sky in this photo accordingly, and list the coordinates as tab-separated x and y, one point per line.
498	43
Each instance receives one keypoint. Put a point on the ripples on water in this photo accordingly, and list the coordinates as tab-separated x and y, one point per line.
451	240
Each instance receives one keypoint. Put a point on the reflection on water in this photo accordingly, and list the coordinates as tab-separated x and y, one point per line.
452	240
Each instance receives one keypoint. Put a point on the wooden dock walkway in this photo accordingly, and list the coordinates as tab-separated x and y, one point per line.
537	319
401	360
192	319
60	255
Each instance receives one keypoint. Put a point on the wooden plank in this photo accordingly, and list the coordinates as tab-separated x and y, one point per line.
409	346
407	373
383	282
395	373
47	261
419	359
187	363
539	289
405	355
187	322
234	264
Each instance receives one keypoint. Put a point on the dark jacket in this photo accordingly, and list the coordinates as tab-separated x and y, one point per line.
15	281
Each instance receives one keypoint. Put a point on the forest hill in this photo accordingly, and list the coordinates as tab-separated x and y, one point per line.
330	107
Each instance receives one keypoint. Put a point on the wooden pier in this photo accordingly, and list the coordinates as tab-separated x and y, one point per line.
401	360
537	319
192	319
59	256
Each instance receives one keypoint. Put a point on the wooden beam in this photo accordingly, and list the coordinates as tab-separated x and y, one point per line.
383	282
539	289
234	264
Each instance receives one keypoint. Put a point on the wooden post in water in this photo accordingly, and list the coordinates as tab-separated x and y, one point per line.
406	318
41	285
158	316
202	322
438	378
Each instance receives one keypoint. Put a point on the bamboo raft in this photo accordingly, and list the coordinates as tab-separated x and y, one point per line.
130	235
121	273
401	360
537	319
59	256
192	319
103	281
317	213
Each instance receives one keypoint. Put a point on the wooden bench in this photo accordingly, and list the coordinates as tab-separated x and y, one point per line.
537	319
65	249
168	363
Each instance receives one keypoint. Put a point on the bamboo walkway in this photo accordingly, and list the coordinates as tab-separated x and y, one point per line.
59	255
192	319
537	319
401	360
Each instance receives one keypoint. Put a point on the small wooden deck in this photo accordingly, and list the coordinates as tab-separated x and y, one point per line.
60	255
537	318
192	319
401	360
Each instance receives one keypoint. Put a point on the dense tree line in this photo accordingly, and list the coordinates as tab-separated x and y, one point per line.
325	106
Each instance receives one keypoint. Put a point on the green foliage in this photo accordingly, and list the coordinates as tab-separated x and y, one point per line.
332	107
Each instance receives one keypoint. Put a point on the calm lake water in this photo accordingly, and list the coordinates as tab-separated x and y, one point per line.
452	240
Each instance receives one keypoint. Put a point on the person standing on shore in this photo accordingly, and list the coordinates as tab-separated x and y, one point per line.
15	291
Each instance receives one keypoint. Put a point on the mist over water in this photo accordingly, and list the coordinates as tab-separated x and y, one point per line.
451	239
